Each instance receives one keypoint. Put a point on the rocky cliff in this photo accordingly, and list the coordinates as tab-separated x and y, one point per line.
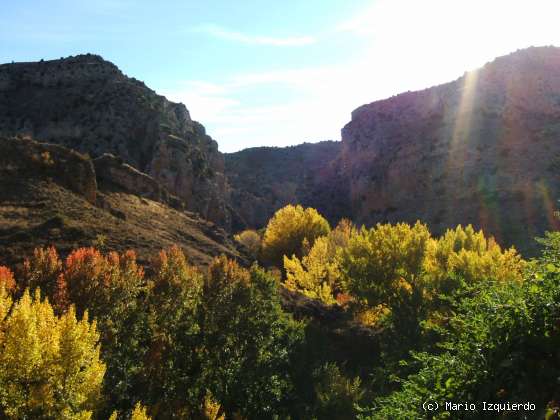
88	104
483	149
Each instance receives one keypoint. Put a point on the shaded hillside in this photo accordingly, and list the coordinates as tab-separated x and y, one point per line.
51	196
264	179
88	104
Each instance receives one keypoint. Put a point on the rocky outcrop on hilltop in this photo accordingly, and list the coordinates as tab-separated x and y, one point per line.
264	179
113	170
23	158
484	149
87	104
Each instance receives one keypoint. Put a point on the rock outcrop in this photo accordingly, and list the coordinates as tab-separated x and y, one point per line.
112	170
23	157
87	104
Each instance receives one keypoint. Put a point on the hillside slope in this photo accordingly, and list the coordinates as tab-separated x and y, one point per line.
53	196
88	104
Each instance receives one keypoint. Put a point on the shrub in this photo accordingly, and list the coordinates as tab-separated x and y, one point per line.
7	279
251	240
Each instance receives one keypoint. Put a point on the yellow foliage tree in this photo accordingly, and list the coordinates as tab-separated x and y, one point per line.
317	274
49	365
138	413
290	231
472	256
212	410
251	240
381	263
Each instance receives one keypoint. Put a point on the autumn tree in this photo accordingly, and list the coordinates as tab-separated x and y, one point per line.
292	231
97	282
384	264
49	365
110	287
7	280
467	254
317	275
42	270
251	240
139	412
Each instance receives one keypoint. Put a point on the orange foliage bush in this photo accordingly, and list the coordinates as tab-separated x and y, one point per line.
224	272
90	278
7	279
87	278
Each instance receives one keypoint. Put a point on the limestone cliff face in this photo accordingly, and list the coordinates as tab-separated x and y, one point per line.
484	149
88	104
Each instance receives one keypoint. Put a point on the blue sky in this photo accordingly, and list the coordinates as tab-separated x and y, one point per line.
278	72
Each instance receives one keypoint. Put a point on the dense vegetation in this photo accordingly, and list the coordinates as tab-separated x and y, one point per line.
453	318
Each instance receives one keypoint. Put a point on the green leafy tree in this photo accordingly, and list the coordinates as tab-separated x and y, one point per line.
337	396
501	345
173	363
248	340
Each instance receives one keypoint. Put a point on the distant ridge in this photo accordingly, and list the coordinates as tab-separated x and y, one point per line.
264	179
